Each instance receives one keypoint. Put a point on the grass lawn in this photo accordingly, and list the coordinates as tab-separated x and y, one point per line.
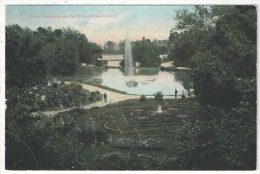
112	121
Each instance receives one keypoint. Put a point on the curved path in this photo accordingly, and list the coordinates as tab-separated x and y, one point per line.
167	64
112	97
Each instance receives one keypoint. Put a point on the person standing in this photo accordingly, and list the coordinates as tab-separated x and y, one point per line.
176	92
189	93
105	97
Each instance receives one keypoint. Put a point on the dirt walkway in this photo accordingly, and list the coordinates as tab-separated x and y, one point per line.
112	97
167	64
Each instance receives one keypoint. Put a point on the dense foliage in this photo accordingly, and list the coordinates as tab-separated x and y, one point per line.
60	97
142	98
32	55
116	160
37	141
147	144
222	54
158	96
111	47
146	53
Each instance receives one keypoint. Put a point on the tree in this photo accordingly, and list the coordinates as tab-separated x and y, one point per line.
39	142
32	55
23	67
158	96
225	135
61	57
193	28
184	49
146	53
35	141
111	47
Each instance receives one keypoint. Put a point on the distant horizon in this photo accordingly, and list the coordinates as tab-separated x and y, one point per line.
99	23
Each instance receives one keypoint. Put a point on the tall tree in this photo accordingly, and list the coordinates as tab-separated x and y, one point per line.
225	135
23	67
146	53
31	55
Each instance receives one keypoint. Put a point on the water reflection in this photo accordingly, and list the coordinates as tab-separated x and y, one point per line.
147	81
144	71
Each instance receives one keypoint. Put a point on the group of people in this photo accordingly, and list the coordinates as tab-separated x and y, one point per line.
176	94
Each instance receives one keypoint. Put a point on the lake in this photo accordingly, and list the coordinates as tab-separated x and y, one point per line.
149	81
146	81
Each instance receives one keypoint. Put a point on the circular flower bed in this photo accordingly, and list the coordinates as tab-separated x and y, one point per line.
143	118
138	144
150	116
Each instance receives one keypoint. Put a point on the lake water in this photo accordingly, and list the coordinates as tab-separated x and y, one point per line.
147	81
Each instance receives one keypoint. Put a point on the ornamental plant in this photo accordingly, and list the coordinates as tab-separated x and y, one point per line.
129	143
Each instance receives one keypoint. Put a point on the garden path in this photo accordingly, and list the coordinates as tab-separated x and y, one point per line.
112	97
167	64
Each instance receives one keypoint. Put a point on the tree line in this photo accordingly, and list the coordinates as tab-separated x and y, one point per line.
219	44
31	55
111	47
145	52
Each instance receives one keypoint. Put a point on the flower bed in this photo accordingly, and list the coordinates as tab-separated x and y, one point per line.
150	116
65	96
148	144
114	161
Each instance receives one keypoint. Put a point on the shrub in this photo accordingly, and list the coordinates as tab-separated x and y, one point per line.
92	135
142	98
115	161
67	96
148	144
71	87
96	96
55	85
158	96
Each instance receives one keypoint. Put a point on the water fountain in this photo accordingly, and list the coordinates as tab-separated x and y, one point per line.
159	109
129	63
128	58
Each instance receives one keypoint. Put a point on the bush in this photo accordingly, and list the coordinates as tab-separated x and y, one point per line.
158	96
96	96
125	161
115	161
148	144
92	135
71	87
146	53
142	98
67	96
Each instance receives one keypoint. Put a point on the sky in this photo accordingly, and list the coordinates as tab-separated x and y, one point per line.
99	23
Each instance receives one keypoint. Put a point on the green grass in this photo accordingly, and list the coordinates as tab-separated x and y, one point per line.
166	133
112	115
168	144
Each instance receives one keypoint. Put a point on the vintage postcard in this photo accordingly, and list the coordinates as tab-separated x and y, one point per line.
130	86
